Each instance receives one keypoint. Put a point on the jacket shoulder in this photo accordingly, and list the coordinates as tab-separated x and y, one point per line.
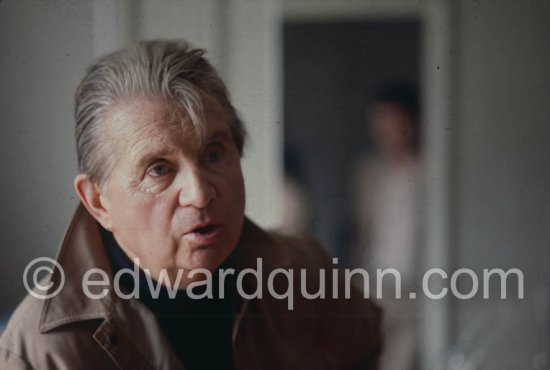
21	328
280	250
12	361
341	328
24	346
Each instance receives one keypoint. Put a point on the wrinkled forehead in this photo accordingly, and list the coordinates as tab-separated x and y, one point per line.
136	122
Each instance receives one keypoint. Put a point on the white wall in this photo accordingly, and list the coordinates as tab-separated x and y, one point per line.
253	78
501	176
44	49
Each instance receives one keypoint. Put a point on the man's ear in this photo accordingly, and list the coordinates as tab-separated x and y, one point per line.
90	195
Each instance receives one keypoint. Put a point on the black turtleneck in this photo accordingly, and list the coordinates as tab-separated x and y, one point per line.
198	330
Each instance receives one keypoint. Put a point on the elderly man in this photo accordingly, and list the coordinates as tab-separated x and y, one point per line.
161	190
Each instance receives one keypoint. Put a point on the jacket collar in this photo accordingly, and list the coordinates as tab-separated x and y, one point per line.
81	250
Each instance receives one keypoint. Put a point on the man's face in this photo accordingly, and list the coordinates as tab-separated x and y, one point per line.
172	200
392	128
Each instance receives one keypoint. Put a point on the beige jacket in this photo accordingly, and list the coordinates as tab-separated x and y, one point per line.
71	331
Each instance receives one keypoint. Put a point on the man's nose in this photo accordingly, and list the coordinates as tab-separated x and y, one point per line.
196	189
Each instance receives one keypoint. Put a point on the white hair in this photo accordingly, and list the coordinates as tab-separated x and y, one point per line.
167	70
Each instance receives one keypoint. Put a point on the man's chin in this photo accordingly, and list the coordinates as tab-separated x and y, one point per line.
205	258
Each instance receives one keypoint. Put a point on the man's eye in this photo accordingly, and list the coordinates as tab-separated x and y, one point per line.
158	170
212	156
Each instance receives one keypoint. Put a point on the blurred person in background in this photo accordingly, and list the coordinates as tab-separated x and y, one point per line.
387	189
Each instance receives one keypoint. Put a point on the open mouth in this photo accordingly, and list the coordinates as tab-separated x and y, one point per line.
204	230
204	234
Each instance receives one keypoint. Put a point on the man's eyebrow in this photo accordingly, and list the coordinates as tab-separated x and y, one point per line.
150	156
219	135
145	157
